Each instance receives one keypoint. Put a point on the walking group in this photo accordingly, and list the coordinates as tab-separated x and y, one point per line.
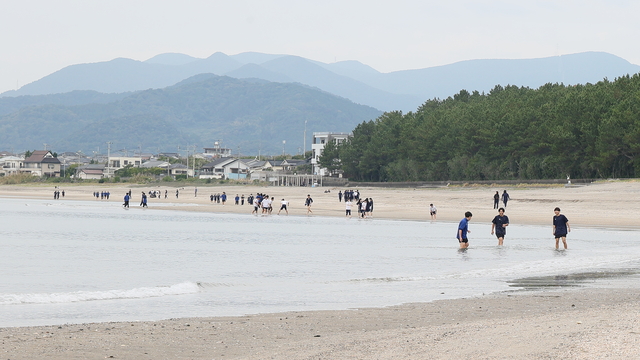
263	204
219	198
56	194
500	222
363	206
103	195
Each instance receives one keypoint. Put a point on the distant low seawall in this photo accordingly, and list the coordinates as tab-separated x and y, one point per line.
417	184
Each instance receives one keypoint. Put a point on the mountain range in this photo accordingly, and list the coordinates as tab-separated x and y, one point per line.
250	116
399	90
252	101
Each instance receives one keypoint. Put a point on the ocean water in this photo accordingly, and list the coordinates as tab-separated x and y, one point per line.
76	262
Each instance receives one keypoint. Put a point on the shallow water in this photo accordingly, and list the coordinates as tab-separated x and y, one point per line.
72	262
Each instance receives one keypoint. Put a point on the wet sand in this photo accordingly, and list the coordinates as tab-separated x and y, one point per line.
566	323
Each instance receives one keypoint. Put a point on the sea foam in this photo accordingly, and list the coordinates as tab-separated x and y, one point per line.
78	296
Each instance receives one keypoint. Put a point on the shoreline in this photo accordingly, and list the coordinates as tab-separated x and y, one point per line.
575	323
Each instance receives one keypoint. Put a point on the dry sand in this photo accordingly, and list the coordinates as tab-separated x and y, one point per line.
607	204
576	324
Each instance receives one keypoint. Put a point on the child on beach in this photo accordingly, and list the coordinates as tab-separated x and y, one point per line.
560	228
463	229
432	211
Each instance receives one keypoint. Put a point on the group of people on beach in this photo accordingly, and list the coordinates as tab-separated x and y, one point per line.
56	193
262	203
102	195
499	227
364	207
349	195
219	198
496	199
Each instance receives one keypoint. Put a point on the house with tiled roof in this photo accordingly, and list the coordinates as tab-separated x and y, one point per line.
42	163
224	168
90	172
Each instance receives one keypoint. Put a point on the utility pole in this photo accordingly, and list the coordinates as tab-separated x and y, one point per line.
304	147
109	158
193	163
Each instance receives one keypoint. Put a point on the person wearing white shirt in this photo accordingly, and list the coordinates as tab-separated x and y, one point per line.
283	206
347	205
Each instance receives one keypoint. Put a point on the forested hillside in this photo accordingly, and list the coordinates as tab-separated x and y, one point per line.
554	131
253	115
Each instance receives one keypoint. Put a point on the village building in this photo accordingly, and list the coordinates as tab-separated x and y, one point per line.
217	152
10	165
320	140
42	163
225	168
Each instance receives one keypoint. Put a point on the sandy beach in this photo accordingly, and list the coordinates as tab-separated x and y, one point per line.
567	323
612	204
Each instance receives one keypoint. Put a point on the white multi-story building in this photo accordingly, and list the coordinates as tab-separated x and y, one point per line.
216	151
320	140
11	165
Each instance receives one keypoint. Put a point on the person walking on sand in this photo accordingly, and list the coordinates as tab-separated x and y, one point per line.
283	206
560	228
144	200
433	211
126	201
340	196
223	197
496	200
505	198
363	208
256	207
307	202
347	206
463	229
499	224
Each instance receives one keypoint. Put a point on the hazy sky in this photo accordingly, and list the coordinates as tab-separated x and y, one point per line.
39	37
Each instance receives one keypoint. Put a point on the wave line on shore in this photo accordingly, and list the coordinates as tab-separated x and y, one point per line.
79	296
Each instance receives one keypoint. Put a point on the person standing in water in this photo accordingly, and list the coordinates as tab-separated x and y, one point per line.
560	228
499	224
463	229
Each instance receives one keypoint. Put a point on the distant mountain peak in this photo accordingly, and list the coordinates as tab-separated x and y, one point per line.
174	59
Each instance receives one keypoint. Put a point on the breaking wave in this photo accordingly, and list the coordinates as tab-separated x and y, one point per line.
78	296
